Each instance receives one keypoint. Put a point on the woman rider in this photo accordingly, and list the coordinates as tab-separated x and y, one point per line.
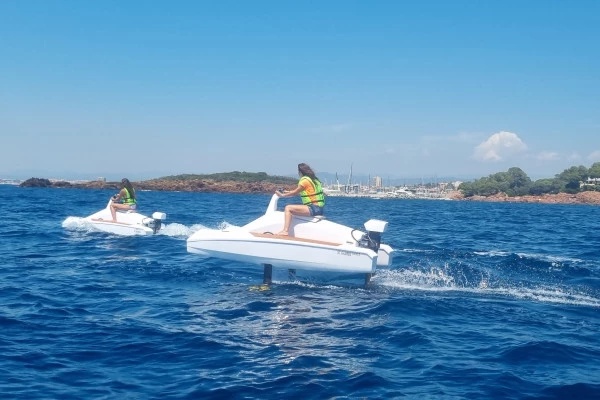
310	190
127	198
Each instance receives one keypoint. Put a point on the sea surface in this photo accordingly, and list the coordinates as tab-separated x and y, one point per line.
483	301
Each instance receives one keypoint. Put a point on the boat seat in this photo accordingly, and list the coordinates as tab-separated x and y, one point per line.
126	211
319	217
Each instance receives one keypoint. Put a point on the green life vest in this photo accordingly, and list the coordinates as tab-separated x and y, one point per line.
128	199
316	198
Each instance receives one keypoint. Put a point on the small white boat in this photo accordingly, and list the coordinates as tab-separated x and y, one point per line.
129	222
314	244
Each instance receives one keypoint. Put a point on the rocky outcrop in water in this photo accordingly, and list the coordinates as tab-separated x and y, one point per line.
36	182
560	198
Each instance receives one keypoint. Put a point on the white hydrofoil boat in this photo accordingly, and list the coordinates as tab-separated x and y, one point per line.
314	244
129	222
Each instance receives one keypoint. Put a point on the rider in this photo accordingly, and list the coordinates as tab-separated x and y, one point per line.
310	190
127	198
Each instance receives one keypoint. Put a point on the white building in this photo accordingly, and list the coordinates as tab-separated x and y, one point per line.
377	181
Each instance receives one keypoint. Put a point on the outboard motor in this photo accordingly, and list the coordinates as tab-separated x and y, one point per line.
155	222
372	239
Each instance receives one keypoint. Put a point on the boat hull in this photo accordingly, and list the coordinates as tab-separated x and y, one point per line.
122	229
283	252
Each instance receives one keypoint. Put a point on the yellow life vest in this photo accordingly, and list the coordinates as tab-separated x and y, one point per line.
128	199
317	198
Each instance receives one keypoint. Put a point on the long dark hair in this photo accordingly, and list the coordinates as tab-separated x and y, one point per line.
126	184
305	170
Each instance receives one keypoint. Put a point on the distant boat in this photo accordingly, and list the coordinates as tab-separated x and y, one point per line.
403	193
333	191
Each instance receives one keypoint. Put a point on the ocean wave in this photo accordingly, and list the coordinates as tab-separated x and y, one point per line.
439	280
534	256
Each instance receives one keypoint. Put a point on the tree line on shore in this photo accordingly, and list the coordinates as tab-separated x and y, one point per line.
515	182
235	176
235	182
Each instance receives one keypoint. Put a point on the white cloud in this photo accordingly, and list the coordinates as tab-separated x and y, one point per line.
574	157
548	156
499	146
594	156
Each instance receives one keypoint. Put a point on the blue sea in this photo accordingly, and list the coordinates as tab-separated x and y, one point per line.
483	301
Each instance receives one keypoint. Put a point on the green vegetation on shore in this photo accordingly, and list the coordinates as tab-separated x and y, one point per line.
515	182
234	176
229	182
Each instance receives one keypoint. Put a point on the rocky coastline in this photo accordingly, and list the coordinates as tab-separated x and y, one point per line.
592	198
168	185
264	187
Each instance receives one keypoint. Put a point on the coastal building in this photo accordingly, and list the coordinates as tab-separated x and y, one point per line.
590	182
377	182
10	181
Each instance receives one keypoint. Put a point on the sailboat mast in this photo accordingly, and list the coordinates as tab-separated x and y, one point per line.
350	179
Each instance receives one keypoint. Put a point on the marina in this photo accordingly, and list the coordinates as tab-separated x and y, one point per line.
441	191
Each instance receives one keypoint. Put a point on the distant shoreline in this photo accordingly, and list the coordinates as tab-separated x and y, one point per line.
590	198
264	187
168	185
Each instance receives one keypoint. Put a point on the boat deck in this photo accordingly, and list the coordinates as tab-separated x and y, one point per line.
109	221
294	238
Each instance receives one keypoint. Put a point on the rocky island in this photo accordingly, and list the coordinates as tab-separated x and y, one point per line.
234	182
558	198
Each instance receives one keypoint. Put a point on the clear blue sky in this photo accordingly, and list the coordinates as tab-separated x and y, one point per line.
397	88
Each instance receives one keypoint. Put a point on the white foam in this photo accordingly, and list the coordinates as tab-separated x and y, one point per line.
180	230
78	224
433	279
416	251
437	280
534	256
493	253
176	230
549	258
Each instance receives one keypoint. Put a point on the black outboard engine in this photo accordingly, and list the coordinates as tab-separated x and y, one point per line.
155	222
372	239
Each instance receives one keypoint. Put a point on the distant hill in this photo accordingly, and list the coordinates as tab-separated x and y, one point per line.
235	176
228	182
